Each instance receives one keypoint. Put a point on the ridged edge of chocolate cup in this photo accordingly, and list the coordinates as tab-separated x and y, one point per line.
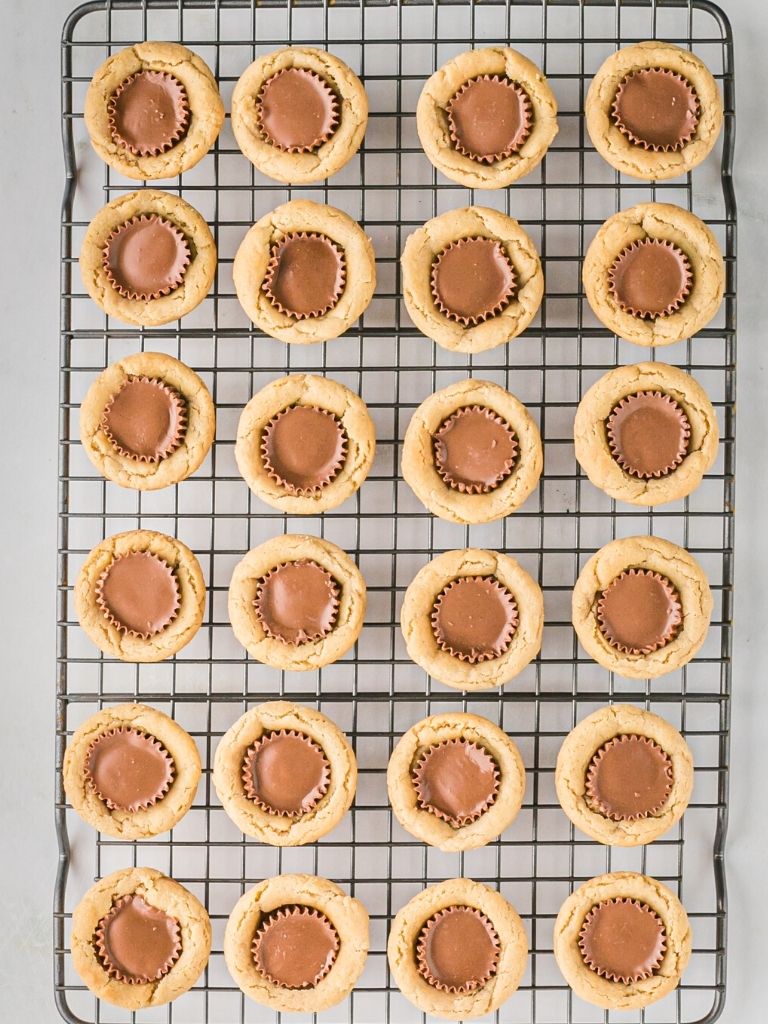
273	474
246	773
128	293
182	422
108	614
627	132
500	648
615	448
671	633
524	131
592	768
421	951
321	139
152	741
295	910
274	261
99	942
182	110
609	975
335	598
417	773
458	485
680	297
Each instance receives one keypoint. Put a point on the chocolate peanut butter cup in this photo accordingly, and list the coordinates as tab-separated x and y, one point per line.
472	280
623	940
639	612
489	118
128	769
457	950
650	278
648	434
137	943
145	420
139	594
657	109
297	111
628	778
474	618
305	275
148	113
474	450
285	773
457	781
303	448
297	602
295	947
146	257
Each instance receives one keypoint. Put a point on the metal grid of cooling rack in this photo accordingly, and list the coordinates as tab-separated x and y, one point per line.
376	693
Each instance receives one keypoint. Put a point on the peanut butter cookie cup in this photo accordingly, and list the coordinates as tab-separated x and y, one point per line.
299	114
139	939
131	771
622	941
296	943
654	110
624	776
487	117
285	773
147	421
455	781
153	110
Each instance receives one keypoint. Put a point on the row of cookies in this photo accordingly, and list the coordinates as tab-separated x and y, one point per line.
471	278
286	775
485	118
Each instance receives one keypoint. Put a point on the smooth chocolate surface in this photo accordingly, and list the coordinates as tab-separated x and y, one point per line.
639	612
474	618
629	777
651	278
489	118
622	940
297	110
656	109
139	592
136	942
303	448
475	450
648	434
306	275
145	419
286	773
128	769
456	780
146	257
148	112
457	950
295	946
472	280
297	602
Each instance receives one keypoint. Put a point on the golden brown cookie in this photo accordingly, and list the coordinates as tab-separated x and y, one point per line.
472	452
139	939
299	114
140	596
153	110
487	117
654	274
484	649
641	967
457	950
624	776
296	943
472	279
147	421
131	771
285	774
297	602
455	781
641	607
646	434
653	110
148	292
305	272
305	444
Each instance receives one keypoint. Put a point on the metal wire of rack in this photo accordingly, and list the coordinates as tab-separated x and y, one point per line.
376	693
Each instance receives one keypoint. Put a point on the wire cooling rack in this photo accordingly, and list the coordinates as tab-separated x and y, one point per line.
377	693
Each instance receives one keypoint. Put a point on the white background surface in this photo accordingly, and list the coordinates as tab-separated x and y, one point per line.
31	179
